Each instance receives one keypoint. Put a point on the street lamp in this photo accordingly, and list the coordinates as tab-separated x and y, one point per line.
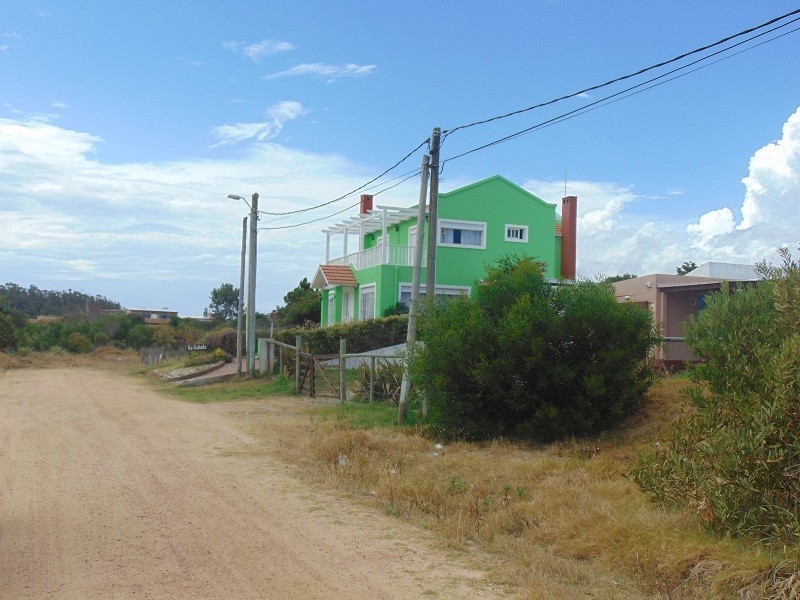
251	286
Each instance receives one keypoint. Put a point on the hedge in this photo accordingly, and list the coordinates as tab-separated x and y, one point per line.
361	336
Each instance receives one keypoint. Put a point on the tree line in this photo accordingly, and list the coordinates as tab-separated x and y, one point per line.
35	302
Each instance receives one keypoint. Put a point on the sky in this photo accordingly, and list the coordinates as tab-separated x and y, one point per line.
124	127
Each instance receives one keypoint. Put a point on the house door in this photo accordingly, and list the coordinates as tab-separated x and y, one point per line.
348	305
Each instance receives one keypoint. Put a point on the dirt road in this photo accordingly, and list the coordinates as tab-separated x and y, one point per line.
110	490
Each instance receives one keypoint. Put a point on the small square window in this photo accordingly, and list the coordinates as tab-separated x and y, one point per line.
517	233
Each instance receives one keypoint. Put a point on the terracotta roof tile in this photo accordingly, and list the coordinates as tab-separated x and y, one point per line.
339	275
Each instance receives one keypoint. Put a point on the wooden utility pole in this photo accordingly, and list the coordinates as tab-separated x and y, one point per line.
433	212
411	336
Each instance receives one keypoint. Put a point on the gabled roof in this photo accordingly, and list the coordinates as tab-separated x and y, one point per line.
328	275
492	179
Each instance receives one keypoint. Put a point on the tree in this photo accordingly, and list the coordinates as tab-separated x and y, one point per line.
623	277
686	268
302	306
734	458
224	302
526	358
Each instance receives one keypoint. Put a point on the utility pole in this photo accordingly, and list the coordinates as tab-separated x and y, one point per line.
433	220
411	336
251	290
241	302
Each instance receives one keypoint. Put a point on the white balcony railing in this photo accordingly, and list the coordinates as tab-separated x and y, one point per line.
391	255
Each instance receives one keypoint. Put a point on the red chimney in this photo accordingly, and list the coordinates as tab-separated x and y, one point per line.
569	228
366	203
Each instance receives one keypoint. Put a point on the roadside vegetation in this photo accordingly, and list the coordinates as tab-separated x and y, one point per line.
527	359
735	458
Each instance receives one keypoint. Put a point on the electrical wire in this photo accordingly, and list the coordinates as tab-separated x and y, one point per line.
312	221
612	98
350	193
447	132
411	176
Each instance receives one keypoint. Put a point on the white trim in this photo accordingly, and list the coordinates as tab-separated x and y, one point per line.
458	224
351	291
441	290
331	306
367	288
523	240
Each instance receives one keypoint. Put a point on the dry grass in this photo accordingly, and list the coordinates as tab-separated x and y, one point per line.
561	521
108	358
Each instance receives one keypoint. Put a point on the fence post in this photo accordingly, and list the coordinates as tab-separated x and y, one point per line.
298	340
270	358
371	378
262	355
342	369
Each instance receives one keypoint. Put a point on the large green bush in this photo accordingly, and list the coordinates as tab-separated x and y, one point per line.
527	358
361	336
736	458
225	339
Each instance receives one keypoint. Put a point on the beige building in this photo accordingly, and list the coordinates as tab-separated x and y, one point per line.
672	300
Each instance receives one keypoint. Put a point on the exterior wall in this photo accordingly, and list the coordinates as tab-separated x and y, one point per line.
671	307
494	201
497	202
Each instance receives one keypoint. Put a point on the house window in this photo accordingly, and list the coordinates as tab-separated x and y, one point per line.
442	291
367	303
517	233
331	307
464	234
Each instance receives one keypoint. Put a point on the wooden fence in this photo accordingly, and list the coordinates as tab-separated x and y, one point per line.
316	374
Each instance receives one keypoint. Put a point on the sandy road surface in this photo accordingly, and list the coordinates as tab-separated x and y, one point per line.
108	490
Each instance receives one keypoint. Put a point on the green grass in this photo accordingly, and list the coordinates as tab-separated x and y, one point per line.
368	415
229	391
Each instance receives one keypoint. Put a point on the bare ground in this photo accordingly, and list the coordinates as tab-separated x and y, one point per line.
110	490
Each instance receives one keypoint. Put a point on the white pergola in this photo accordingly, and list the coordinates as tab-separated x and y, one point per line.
378	219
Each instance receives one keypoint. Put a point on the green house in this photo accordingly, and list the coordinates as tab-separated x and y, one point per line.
477	224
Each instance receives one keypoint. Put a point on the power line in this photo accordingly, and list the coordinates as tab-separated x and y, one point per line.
312	221
628	76
410	176
610	99
350	193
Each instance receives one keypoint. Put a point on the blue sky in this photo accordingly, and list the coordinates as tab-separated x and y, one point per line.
124	126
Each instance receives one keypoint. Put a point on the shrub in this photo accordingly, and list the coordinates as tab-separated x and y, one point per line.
207	358
525	358
735	459
8	332
386	381
400	308
164	335
77	342
225	339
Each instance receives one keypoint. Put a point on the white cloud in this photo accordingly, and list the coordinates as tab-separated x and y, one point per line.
710	226
612	238
3	47
159	234
277	115
258	50
59	104
331	72
773	184
266	48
